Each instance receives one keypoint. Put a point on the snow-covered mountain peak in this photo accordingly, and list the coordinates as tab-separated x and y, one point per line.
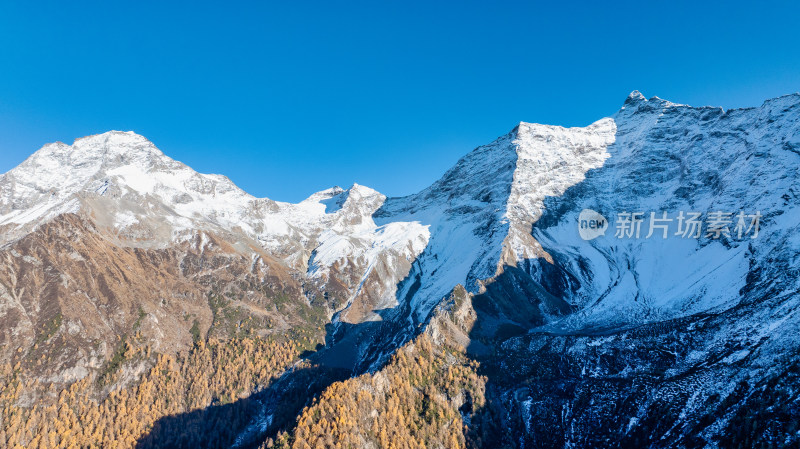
115	141
358	199
324	194
780	105
110	149
125	185
122	170
635	97
550	159
480	212
66	167
671	159
636	102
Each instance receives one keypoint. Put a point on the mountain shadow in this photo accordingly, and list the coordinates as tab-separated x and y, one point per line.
705	379
232	424
349	351
643	386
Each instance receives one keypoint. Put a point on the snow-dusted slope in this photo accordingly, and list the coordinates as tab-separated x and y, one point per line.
670	158
480	213
123	182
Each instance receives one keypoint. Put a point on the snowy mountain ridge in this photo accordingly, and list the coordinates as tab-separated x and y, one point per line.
124	182
510	203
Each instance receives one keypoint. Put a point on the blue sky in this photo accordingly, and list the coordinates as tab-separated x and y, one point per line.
288	99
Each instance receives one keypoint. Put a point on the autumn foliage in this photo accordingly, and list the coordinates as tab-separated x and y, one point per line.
216	372
414	402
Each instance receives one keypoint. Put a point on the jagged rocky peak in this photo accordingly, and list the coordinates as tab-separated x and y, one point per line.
357	199
635	97
549	160
326	194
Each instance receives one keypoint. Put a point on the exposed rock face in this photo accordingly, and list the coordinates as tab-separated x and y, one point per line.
109	238
70	293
